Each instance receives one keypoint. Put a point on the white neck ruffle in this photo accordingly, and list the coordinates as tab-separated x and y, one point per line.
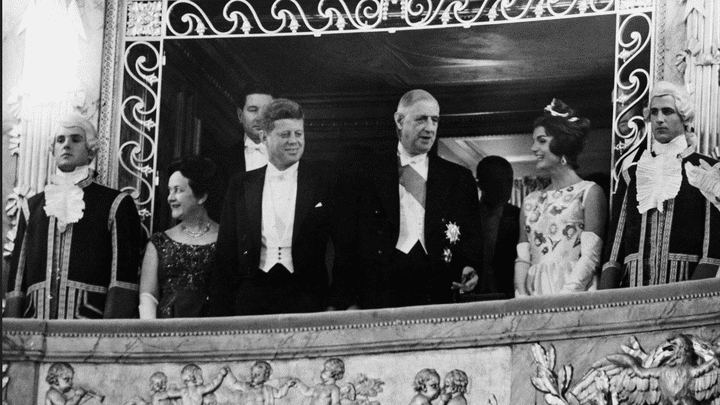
658	180
64	198
674	147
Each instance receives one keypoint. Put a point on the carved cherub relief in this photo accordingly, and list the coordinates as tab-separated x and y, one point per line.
427	387
158	391
62	391
684	370
455	386
256	391
195	388
327	392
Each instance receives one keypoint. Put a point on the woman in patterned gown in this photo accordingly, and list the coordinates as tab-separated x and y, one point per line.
178	262
561	227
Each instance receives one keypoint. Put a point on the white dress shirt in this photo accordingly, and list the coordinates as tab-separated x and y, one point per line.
412	214
255	154
278	217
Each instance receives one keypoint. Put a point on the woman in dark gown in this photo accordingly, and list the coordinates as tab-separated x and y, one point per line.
178	262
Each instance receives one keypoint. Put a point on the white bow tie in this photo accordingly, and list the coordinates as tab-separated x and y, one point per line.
256	147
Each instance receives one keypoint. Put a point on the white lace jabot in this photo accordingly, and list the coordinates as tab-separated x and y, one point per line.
659	177
64	199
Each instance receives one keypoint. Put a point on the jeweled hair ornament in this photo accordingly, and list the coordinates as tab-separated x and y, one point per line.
549	108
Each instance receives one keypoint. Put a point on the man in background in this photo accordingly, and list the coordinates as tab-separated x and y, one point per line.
499	225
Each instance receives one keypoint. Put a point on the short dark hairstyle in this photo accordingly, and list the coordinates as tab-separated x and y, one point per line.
203	178
278	109
568	131
255	87
496	164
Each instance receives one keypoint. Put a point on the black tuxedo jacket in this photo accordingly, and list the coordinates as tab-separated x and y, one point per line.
503	260
368	225
240	238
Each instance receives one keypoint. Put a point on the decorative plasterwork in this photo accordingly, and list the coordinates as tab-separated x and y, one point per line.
144	19
683	369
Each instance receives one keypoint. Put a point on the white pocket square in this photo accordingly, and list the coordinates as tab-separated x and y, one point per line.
318	205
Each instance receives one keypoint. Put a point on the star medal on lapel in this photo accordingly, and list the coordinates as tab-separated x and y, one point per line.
452	232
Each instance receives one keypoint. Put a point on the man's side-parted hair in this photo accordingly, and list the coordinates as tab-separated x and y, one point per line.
279	109
74	120
683	103
255	87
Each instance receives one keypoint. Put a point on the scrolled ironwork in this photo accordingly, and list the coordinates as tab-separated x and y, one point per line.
631	89
140	114
188	18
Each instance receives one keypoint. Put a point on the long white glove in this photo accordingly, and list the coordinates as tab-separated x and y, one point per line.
705	178
522	264
148	306
583	271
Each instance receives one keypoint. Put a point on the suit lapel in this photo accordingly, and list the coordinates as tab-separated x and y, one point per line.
387	183
254	184
305	197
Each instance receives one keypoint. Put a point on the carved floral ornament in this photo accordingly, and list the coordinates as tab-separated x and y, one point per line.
684	369
144	19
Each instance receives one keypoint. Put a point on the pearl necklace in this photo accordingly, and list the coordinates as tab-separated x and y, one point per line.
198	233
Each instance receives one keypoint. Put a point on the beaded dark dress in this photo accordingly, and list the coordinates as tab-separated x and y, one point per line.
183	277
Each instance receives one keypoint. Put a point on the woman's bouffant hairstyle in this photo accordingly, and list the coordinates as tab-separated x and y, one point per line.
568	131
203	178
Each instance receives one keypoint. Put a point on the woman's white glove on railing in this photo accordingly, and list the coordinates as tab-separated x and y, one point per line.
584	272
522	264
148	306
